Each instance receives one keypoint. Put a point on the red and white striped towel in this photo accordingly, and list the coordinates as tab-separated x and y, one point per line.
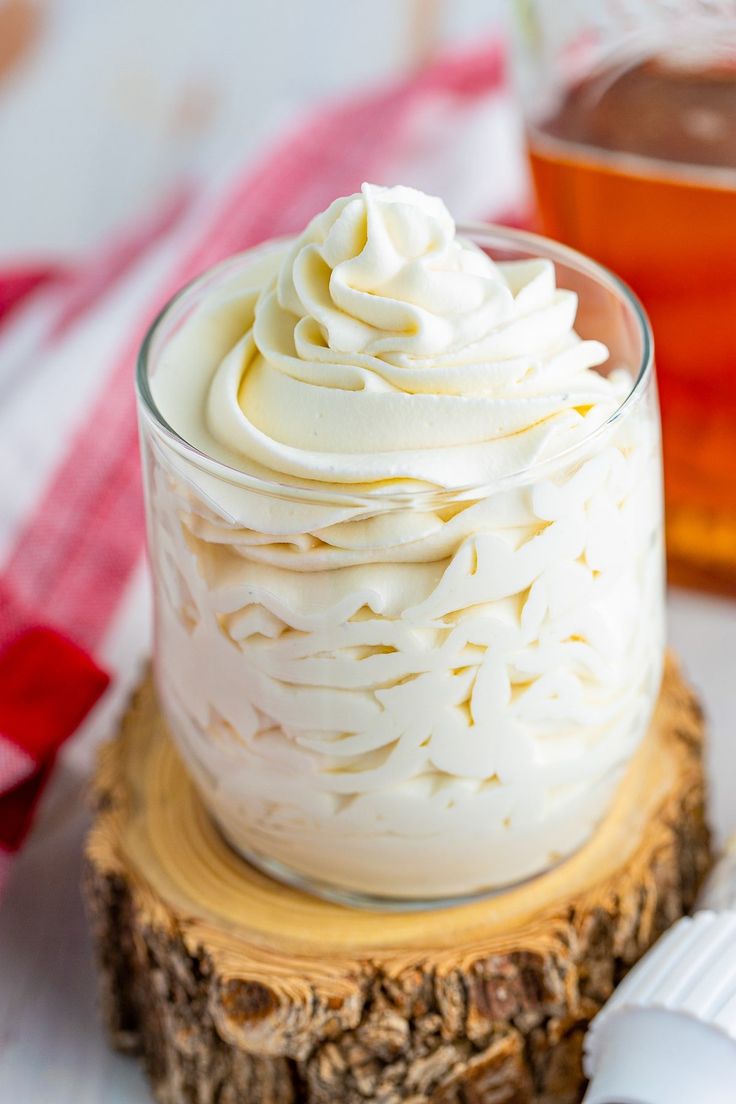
71	526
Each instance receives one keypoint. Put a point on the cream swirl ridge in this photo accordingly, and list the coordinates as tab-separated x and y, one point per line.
383	273
387	348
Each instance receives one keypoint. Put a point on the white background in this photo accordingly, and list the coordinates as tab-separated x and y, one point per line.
118	98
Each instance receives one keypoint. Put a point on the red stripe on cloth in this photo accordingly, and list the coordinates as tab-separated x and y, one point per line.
333	152
4	868
17	808
85	590
15	615
70	563
467	72
75	553
47	687
16	284
519	218
15	764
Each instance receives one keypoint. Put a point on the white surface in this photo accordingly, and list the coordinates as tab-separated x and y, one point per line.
118	100
702	630
52	1049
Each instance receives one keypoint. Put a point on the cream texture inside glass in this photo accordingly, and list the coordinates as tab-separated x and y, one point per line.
415	701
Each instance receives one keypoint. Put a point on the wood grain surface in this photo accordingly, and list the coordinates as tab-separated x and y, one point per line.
237	988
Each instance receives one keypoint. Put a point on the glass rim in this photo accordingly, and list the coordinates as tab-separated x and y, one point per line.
421	492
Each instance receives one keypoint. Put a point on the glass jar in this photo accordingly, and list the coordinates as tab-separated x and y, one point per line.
406	696
631	124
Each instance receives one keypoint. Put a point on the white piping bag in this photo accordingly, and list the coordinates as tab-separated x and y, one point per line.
668	1033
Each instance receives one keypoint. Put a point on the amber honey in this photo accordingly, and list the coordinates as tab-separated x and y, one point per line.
637	169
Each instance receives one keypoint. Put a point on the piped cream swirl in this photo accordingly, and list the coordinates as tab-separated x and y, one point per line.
383	347
420	700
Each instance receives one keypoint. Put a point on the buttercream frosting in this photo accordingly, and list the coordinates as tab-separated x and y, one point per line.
419	696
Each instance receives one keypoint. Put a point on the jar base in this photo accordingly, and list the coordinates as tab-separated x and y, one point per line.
370	902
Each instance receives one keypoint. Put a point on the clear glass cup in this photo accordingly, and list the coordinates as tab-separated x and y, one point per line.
404	697
631	124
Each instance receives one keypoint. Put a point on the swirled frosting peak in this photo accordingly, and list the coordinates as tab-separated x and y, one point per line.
378	346
383	273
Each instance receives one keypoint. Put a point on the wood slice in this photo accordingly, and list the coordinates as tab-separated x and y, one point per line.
237	989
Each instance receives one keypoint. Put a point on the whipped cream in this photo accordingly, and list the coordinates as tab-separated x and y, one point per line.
420	696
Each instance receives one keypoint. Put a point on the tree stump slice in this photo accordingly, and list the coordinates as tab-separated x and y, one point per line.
236	989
